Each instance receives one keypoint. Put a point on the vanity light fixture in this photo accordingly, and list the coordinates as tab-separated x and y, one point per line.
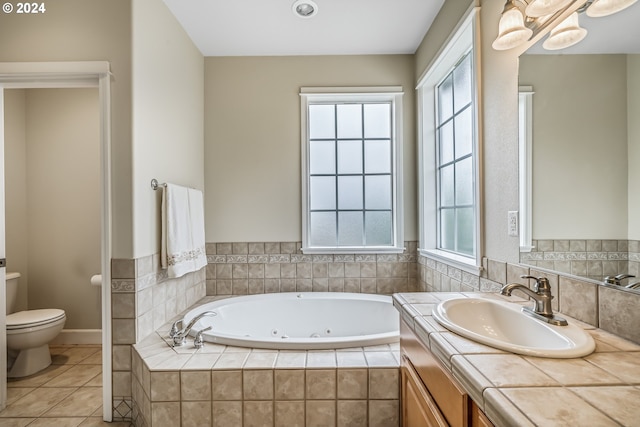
519	22
538	8
601	8
511	29
304	8
565	34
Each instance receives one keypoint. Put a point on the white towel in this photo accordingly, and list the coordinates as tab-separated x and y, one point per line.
183	242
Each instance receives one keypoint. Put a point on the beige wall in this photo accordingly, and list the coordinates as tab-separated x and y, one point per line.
579	145
633	112
440	29
87	30
168	105
499	127
57	171
15	174
252	138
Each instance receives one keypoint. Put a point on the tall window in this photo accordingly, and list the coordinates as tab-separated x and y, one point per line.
350	184
449	150
455	161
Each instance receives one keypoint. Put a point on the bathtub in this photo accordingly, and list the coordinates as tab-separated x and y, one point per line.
299	320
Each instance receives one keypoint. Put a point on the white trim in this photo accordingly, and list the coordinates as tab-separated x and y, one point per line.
465	36
351	90
457	261
3	283
52	70
79	336
80	74
525	165
354	250
105	166
356	94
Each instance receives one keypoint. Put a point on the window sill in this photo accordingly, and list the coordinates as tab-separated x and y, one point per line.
457	261
352	250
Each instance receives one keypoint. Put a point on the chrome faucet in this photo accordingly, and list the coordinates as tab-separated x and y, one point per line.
541	295
617	280
634	285
180	336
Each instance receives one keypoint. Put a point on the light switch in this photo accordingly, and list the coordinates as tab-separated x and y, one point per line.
513	223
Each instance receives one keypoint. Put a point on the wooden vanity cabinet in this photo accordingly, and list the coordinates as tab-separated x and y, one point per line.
431	397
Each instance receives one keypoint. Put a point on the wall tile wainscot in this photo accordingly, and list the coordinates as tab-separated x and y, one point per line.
144	300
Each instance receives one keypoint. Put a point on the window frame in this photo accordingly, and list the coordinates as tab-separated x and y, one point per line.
392	94
464	38
525	166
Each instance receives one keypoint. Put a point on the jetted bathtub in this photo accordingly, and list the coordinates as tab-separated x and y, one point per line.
299	320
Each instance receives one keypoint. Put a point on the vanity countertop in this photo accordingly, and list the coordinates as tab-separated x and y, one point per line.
601	389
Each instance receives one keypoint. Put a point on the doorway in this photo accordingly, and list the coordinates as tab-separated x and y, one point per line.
86	75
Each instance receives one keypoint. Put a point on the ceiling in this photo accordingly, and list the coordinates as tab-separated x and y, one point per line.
269	27
355	27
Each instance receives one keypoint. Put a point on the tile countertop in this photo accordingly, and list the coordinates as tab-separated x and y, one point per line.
601	389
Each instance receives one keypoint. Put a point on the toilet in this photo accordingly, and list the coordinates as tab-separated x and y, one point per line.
29	333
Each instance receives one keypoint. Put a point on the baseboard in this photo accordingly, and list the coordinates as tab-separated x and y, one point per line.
79	336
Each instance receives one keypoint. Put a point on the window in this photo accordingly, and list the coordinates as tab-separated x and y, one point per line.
454	164
450	203
351	169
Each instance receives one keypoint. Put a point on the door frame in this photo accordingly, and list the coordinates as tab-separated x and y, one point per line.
85	74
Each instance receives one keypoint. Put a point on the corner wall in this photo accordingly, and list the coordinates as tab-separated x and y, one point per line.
168	116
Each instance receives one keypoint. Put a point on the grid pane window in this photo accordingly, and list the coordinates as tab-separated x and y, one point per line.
455	168
351	174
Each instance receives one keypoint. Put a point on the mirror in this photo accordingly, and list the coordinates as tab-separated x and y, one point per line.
585	151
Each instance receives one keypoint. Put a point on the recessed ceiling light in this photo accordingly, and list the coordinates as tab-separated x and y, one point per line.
304	8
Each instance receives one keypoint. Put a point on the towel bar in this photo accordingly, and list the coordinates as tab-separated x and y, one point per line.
155	185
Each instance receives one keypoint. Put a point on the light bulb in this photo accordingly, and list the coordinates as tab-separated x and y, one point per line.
565	34
511	30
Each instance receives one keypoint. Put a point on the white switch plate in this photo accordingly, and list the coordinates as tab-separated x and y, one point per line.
513	223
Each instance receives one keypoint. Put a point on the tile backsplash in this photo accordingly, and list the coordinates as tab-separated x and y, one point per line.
611	308
586	258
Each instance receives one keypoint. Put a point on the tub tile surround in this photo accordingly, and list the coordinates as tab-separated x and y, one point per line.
142	299
224	385
266	267
511	389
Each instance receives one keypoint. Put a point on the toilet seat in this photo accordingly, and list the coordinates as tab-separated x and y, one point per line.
33	318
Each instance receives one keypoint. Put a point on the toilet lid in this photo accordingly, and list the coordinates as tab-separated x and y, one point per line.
30	318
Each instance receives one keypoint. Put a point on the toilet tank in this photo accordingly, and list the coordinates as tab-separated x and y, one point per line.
12	291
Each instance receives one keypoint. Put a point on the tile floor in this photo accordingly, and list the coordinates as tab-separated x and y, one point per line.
66	394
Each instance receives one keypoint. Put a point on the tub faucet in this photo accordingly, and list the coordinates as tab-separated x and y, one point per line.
616	280
180	337
541	295
634	285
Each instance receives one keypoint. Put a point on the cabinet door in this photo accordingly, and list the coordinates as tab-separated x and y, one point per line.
418	407
452	400
478	418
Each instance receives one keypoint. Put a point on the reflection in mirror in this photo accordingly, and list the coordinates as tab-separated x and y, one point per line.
585	156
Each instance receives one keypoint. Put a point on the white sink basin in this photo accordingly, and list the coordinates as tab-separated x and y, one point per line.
503	325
